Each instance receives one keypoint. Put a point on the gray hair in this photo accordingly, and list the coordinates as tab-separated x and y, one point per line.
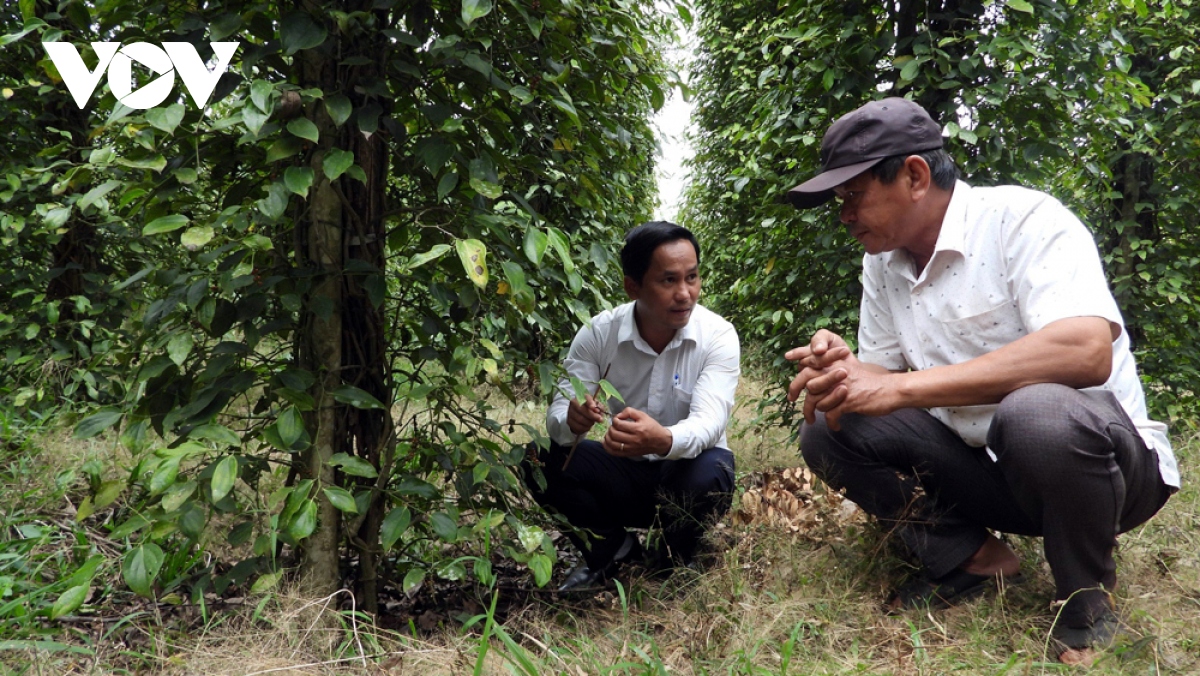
942	170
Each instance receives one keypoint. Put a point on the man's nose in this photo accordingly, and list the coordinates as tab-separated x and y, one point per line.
848	212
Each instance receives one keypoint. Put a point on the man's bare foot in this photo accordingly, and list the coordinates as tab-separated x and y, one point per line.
1082	657
993	558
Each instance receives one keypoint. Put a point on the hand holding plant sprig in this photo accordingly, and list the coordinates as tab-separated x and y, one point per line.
584	411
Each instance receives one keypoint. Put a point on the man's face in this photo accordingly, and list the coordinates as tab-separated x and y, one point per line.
874	212
668	292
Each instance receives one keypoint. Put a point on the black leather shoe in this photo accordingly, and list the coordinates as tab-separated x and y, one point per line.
585	578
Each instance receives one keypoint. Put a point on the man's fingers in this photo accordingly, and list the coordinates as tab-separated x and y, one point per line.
833	420
810	405
831	356
823	402
630	414
814	381
797	386
837	353
797	353
625	422
825	340
619	443
591	411
825	382
833	399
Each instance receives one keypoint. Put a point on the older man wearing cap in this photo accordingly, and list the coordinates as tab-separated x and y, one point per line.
993	387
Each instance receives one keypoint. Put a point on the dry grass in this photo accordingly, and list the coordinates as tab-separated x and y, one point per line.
294	635
770	602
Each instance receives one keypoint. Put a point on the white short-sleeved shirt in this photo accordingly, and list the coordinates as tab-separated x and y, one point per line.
688	388
1008	261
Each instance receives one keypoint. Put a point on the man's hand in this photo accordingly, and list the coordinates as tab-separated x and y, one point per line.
633	433
581	417
816	360
835	382
825	348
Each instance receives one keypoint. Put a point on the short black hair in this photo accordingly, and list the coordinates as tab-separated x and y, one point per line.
942	170
642	241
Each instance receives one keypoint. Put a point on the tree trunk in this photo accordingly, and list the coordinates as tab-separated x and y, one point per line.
323	340
321	337
346	223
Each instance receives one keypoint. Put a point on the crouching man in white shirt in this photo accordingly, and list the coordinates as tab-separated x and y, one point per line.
993	388
664	459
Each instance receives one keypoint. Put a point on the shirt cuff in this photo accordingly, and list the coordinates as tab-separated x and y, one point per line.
680	445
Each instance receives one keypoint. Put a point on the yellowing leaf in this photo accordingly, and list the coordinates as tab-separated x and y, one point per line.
502	288
195	237
473	255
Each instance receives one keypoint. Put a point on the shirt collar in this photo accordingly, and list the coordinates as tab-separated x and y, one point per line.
628	330
953	234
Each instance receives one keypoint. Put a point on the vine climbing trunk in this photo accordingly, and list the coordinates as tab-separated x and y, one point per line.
364	356
322	237
345	340
322	339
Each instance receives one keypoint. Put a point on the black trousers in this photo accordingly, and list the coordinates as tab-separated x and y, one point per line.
605	494
1070	468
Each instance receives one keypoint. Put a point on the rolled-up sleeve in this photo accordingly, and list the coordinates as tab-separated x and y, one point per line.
712	398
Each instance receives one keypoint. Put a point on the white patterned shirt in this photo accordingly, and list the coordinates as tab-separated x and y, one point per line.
688	388
1008	261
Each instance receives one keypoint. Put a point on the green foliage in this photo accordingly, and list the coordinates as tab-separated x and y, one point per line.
262	303
1092	102
48	569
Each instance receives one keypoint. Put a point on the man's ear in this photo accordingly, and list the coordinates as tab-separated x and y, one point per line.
632	288
916	171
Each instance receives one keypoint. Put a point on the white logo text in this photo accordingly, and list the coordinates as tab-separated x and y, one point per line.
165	61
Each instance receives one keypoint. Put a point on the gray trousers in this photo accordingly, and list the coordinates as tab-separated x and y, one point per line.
1070	468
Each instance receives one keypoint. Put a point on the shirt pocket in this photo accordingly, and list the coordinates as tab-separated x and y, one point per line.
681	401
981	332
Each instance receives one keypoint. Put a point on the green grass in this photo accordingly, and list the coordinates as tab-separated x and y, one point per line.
770	602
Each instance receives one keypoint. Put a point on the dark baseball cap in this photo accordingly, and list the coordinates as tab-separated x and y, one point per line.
863	138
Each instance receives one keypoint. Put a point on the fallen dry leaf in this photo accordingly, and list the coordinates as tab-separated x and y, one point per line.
785	499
